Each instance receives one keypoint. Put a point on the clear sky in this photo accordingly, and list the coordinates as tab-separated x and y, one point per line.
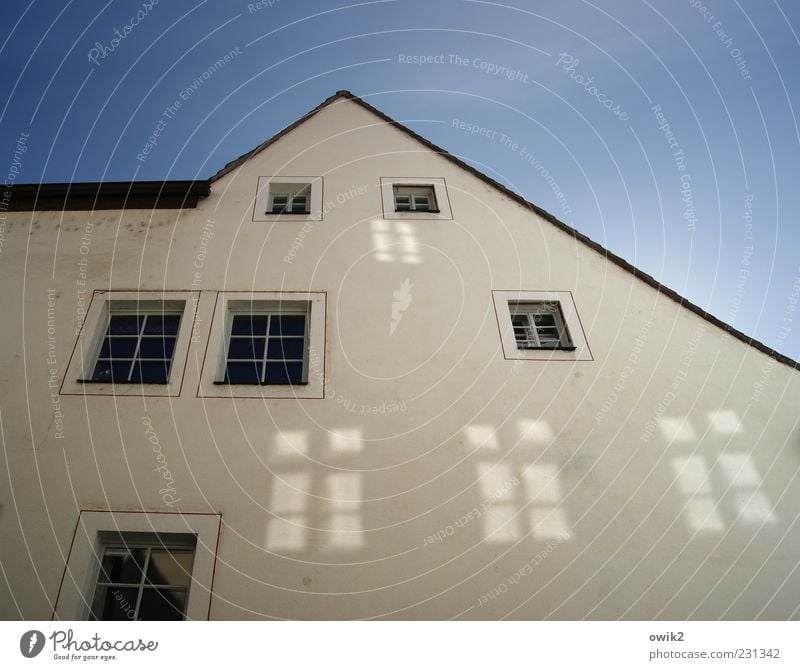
568	104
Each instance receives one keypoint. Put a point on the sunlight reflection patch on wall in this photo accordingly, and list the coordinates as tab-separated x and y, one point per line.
343	489
541	483
537	430
676	429
346	440
691	474
291	443
725	422
482	437
394	241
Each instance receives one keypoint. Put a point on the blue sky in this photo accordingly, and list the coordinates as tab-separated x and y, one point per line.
568	95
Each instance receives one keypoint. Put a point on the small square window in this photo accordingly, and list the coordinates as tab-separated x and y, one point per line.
267	344
138	346
291	199
539	325
281	198
414	199
143	576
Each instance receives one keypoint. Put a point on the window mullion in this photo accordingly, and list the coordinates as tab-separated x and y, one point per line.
266	348
141	584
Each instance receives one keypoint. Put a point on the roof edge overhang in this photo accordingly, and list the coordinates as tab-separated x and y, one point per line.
92	196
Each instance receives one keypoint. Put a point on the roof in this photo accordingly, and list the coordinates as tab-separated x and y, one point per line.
188	193
104	195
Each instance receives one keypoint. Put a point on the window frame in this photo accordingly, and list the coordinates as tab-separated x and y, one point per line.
269	186
228	304
83	360
430	196
169	308
531	310
126	540
76	591
577	349
437	185
291	308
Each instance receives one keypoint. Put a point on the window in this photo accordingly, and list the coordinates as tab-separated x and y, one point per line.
143	576
414	199
138	347
265	344
281	198
288	202
132	343
267	347
161	563
539	325
420	198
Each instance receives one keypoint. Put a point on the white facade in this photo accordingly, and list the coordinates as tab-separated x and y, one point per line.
428	468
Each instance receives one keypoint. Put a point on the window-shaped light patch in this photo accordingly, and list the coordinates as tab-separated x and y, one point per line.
137	348
266	349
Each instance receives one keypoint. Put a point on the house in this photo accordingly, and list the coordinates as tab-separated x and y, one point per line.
351	377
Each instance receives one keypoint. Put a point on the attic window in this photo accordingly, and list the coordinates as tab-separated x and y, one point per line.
414	199
539	325
289	199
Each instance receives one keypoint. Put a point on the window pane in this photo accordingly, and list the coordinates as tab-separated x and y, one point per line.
108	371
114	603
170	567
421	203
284	373
246	324
162	325
162	605
125	324
246	348
122	565
243	373
118	347
288	324
544	320
156	347
151	372
299	204
286	347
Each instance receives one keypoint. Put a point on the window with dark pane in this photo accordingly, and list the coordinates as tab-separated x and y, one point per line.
143	577
137	348
539	326
266	349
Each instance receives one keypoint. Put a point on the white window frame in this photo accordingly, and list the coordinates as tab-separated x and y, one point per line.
231	303
574	345
77	590
437	185
80	369
413	194
530	310
270	186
